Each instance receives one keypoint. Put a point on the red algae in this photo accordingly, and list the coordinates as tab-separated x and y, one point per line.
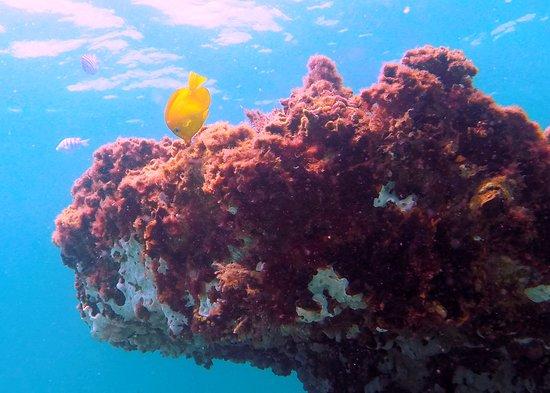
263	242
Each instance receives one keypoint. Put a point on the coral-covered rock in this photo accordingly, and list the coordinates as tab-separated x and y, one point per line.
395	240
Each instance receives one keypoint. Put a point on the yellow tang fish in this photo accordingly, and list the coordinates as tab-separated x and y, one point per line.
187	108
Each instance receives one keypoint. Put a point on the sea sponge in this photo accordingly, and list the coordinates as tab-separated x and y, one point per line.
388	195
326	280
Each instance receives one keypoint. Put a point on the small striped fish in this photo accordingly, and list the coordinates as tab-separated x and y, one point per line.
69	144
89	63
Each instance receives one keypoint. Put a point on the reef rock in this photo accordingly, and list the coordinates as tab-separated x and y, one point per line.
395	240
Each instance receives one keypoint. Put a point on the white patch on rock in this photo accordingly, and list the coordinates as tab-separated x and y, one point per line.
327	280
260	266
388	195
106	329
136	280
176	320
163	266
538	294
137	284
189	301
205	305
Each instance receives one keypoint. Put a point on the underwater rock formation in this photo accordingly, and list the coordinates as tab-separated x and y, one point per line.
395	240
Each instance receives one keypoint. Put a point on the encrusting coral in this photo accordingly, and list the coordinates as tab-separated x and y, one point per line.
263	242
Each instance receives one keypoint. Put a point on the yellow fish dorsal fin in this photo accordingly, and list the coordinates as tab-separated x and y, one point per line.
195	80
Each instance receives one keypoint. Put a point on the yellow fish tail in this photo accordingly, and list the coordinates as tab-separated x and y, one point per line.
195	80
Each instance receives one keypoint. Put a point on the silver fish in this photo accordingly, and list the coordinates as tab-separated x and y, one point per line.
69	144
89	63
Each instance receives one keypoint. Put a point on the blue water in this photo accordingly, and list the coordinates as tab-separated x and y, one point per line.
44	346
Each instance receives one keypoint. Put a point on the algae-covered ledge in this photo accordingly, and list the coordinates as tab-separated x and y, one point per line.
347	237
